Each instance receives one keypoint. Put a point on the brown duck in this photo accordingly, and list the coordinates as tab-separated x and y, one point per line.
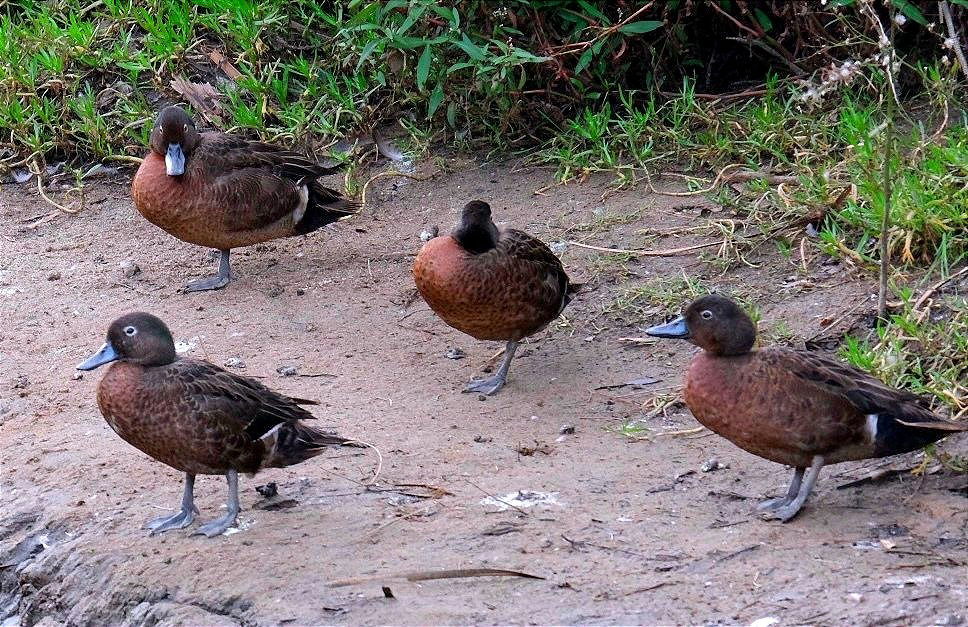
491	284
197	417
793	407
222	191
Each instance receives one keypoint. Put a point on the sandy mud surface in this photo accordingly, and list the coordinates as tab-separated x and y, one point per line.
622	529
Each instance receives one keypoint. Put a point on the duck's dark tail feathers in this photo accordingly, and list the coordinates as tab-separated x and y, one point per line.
295	442
896	436
325	207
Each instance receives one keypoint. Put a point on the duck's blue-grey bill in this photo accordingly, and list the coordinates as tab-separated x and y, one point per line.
106	355
175	160
675	328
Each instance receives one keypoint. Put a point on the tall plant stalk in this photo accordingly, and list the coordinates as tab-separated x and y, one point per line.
891	96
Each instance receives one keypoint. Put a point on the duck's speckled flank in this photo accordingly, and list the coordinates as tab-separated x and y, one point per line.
506	293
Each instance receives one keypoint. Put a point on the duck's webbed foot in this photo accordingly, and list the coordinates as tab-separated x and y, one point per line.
786	512
216	282
486	386
220	525
180	519
781	501
491	385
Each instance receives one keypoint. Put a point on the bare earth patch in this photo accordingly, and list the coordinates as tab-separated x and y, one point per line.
631	530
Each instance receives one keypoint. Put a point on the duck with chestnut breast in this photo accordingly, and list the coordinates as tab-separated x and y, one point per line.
222	191
793	407
197	417
492	284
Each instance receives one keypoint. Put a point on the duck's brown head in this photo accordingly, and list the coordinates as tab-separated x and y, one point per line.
476	232
139	338
714	323
174	137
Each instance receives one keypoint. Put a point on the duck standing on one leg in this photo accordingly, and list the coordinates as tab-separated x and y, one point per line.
491	284
793	407
222	191
197	417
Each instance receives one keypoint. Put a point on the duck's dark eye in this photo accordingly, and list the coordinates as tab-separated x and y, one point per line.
706	314
185	128
130	331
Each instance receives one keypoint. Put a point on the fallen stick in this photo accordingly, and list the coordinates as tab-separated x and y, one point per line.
429	575
668	252
934	288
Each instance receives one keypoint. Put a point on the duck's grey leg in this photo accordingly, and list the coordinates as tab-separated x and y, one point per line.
218	527
788	511
493	384
216	282
791	494
183	517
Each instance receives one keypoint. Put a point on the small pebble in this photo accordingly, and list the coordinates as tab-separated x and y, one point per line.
54	276
566	429
300	291
454	353
287	371
77	376
712	464
856	597
428	234
234	362
129	269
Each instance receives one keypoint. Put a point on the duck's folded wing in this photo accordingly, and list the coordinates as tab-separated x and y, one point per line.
235	403
262	183
234	152
868	395
534	255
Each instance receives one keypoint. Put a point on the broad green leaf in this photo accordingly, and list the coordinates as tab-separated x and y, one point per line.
527	56
452	114
637	28
458	66
436	97
910	11
423	68
415	14
447	13
584	60
366	14
392	5
367	51
594	11
473	50
765	22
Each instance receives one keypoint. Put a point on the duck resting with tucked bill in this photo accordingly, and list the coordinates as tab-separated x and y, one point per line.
222	191
196	417
793	407
492	284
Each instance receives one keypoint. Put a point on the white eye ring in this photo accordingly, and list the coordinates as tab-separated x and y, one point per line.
706	314
185	128
130	331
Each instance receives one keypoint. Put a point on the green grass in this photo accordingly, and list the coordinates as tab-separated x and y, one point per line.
824	150
922	351
83	81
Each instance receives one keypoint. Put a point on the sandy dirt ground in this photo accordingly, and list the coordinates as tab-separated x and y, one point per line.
633	530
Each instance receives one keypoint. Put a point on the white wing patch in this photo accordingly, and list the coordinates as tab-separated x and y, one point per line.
872	426
300	210
270	435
